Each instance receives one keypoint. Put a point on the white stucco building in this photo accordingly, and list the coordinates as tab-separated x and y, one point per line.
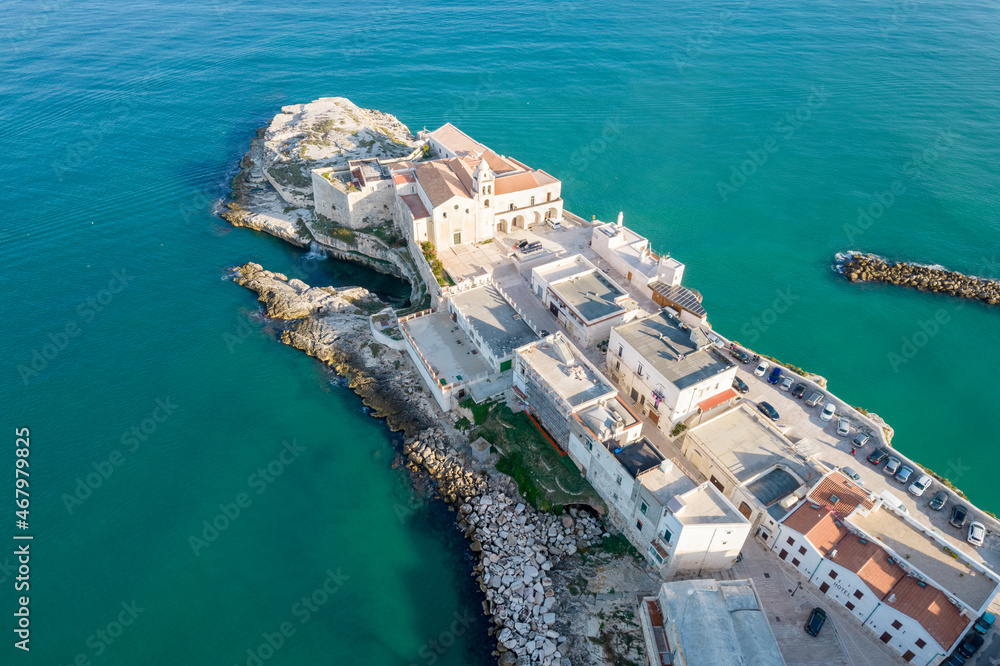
668	368
899	581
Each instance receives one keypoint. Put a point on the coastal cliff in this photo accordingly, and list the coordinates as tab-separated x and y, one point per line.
871	268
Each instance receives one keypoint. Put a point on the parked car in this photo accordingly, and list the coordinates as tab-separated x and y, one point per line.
815	622
533	246
786	383
769	411
877	456
891	466
977	532
775	375
852	474
970	645
740	385
815	399
761	368
843	427
918	487
904	474
740	355
939	500
521	244
958	515
954	659
799	390
861	439
984	623
828	412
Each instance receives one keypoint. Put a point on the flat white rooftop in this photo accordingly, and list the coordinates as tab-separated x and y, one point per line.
446	348
566	371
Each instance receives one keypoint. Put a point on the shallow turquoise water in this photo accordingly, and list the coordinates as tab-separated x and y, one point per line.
122	126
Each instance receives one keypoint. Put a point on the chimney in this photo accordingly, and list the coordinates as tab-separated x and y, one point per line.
621	217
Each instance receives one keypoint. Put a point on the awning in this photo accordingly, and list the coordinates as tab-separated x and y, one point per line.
717	400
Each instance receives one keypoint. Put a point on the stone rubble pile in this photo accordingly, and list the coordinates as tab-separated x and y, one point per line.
517	548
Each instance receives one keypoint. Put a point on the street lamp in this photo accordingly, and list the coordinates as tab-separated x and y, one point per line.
797	588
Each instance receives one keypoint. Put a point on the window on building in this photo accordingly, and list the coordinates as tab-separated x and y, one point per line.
642	399
858	594
667	535
643	508
639	370
457	239
444	214
590	445
745	509
849	606
532	201
548	196
489	189
656	555
824	588
790	541
638	525
908	656
511	207
467	212
718	484
618	365
783	554
896	624
621	350
833	574
802	550
619	479
795	562
886	637
486	204
921	643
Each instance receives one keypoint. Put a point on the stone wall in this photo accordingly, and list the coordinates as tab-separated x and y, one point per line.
370	207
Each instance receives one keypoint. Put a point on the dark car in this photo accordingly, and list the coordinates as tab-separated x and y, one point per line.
877	456
861	439
816	620
984	623
769	411
972	642
533	246
739	355
740	385
954	660
775	376
958	515
940	499
799	390
521	244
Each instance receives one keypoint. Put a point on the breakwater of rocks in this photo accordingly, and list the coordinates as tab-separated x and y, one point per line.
871	268
517	547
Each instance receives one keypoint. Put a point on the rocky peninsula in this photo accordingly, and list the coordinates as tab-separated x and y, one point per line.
872	268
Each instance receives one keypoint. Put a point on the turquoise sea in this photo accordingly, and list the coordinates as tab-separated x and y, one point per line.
741	137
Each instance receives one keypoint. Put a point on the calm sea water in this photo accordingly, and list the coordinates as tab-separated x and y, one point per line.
743	138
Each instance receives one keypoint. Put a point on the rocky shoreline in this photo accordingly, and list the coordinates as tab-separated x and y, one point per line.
518	548
871	268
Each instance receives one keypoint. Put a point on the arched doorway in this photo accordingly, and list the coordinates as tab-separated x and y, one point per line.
537	218
519	222
502	226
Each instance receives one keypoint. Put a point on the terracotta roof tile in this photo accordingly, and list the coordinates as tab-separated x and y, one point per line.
416	206
439	182
516	183
930	607
870	562
820	526
403	178
849	494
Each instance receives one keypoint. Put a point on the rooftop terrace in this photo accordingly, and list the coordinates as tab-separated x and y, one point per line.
606	415
445	347
583	287
638	457
566	371
497	324
747	446
667	343
920	551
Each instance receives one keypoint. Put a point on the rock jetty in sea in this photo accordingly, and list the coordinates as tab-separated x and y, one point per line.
871	268
517	548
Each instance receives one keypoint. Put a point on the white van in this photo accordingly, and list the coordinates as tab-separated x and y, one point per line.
892	502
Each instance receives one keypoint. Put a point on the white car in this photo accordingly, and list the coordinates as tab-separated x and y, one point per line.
918	487
786	383
828	412
762	368
843	427
977	532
